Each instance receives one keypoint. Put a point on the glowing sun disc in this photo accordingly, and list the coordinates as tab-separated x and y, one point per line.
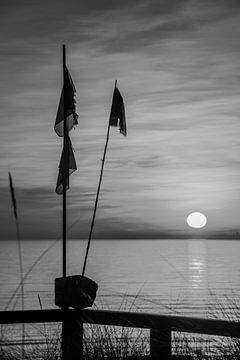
196	220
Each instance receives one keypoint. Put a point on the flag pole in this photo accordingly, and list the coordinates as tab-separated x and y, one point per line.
64	198
19	254
97	195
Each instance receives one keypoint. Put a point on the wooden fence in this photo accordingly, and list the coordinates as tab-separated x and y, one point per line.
160	327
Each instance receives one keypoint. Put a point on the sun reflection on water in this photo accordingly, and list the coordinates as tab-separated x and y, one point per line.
197	264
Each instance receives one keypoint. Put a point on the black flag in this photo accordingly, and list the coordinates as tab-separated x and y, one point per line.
67	102
117	115
66	167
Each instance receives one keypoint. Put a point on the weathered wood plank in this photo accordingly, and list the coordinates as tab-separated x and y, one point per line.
128	319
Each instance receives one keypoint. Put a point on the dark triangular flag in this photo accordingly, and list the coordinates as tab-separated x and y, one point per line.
117	115
66	167
67	102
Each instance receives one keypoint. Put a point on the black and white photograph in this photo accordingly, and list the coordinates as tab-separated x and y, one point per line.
120	180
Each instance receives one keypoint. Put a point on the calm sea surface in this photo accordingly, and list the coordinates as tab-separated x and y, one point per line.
187	277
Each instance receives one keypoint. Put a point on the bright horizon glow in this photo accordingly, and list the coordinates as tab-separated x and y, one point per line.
196	220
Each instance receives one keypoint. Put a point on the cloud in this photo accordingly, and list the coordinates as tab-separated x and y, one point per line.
176	63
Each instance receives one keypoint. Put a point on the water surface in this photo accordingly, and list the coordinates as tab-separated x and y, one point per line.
187	277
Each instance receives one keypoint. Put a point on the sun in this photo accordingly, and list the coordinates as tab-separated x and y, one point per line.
196	220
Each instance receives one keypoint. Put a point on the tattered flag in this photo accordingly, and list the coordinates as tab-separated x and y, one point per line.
66	167
117	115
67	106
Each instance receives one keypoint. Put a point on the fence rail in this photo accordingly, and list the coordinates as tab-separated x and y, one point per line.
160	326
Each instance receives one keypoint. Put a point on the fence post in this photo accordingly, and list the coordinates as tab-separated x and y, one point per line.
72	337
160	344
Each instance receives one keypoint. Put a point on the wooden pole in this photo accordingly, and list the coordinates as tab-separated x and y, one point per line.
97	195
65	167
160	343
72	336
72	330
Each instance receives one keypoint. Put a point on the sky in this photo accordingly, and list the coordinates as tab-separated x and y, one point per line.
177	66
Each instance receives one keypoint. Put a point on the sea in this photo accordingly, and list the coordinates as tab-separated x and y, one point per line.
193	277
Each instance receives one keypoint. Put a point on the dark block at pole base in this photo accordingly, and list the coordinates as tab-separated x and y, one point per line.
75	291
